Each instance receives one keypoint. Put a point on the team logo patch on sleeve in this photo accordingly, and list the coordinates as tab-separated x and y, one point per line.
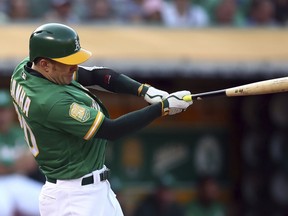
79	112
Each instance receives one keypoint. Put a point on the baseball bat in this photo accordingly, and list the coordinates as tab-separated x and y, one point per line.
257	88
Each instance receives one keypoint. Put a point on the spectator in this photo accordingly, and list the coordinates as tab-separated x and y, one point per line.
281	11
227	13
18	193
140	11
134	12
62	11
207	201
207	5
38	10
99	10
119	8
181	13
152	11
3	11
161	203
261	13
3	5
18	10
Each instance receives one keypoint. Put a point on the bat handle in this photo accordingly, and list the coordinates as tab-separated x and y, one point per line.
200	96
187	98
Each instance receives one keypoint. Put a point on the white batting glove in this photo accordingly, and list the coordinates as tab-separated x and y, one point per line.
151	94
174	103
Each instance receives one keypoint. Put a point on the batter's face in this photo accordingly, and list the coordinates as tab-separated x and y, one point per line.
57	72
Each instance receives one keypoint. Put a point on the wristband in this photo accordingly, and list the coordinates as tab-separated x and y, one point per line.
165	107
142	90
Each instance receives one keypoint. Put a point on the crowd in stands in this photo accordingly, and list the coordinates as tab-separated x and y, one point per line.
170	13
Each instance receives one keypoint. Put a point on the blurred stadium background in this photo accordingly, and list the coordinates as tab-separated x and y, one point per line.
241	142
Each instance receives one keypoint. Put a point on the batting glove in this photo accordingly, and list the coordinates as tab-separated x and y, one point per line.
151	94
174	103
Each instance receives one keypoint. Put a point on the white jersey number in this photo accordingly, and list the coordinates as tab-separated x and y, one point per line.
29	136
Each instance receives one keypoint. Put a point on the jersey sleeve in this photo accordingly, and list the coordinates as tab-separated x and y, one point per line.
74	118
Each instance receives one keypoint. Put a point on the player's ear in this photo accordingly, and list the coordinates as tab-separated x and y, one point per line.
44	63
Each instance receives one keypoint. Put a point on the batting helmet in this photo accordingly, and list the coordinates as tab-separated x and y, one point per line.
57	42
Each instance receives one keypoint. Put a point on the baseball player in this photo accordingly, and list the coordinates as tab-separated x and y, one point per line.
67	127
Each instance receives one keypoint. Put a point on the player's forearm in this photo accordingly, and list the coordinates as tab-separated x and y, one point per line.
108	79
112	129
126	85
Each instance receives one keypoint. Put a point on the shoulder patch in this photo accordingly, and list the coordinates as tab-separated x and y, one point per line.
79	112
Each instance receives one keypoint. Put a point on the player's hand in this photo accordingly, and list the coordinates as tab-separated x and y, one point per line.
174	103
152	95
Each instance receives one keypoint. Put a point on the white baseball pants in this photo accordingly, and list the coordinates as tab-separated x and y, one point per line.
69	197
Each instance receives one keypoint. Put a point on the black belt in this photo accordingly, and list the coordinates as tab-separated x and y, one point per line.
87	180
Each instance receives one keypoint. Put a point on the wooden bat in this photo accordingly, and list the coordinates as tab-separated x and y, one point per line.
257	88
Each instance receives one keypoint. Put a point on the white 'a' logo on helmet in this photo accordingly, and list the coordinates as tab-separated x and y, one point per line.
77	45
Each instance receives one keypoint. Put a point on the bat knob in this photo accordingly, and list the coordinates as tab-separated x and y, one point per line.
187	98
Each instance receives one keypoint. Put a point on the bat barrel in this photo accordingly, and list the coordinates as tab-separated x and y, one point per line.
258	88
263	87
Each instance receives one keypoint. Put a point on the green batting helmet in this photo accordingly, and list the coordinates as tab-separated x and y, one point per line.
57	42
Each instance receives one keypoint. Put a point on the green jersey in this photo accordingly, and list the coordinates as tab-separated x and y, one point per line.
59	122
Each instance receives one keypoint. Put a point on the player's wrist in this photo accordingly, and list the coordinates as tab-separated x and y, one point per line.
174	103
142	90
165	107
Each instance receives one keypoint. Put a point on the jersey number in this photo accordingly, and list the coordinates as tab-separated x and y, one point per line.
29	136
